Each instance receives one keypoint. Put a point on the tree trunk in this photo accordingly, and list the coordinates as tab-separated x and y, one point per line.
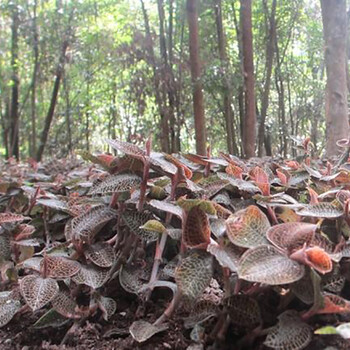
268	66
68	113
34	79
334	31
5	127
14	125
240	89
248	68
228	112
167	76
164	126
51	111
198	100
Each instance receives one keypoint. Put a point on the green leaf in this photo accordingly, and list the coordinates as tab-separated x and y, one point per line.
188	204
154	225
326	330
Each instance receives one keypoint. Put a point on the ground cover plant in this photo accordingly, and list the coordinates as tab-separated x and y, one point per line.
149	250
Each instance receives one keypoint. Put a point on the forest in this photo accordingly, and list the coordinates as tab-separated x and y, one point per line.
174	174
75	73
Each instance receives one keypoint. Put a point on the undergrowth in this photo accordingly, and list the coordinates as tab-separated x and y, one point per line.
253	251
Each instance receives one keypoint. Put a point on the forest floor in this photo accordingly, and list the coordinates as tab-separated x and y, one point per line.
95	334
39	267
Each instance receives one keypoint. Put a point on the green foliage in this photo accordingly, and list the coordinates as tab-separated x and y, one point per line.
108	86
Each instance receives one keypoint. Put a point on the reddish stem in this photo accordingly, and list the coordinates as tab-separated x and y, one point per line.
170	309
272	215
33	200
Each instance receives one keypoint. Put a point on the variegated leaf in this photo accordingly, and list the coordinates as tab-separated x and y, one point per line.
59	267
304	289
291	235
227	255
194	273
290	333
135	220
167	207
65	305
108	307
101	254
132	278
247	228
142	330
5	246
8	308
197	230
92	276
265	264
50	319
127	148
54	203
37	291
85	226
10	218
32	263
116	183
244	311
321	210
241	185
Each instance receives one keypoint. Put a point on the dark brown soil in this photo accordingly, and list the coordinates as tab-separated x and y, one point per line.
94	334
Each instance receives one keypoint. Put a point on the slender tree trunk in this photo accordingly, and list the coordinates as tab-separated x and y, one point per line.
114	111
249	81
334	31
87	108
240	89
178	91
198	100
291	116
14	125
268	67
167	76
5	128
68	113
172	86
164	126
51	111
34	79
228	112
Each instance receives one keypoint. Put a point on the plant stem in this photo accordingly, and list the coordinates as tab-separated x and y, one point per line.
170	309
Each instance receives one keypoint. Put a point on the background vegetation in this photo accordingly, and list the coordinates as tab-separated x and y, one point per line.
124	68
